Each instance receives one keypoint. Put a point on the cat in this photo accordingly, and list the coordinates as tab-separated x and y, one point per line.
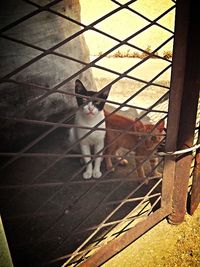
89	114
128	141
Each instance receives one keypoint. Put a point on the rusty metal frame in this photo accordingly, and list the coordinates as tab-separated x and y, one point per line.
55	89
187	120
179	94
178	74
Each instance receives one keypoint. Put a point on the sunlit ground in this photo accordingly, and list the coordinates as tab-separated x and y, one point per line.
164	245
124	23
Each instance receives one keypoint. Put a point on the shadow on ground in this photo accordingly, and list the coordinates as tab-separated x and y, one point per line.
48	210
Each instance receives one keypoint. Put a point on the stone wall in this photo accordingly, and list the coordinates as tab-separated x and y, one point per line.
43	30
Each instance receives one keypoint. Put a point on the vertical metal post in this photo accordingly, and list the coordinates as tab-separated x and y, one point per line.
189	103
176	91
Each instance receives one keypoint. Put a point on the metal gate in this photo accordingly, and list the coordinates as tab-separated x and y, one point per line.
51	215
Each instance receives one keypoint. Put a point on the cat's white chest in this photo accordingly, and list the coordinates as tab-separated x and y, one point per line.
95	136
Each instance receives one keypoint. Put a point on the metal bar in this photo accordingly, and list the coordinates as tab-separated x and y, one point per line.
39	87
90	181
64	125
187	122
177	80
56	155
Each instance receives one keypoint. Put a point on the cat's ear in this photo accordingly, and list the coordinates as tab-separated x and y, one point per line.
80	88
139	126
104	94
161	125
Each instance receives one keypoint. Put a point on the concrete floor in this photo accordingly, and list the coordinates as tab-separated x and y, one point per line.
48	214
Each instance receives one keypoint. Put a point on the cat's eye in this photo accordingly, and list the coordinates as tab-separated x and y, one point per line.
97	103
84	99
153	138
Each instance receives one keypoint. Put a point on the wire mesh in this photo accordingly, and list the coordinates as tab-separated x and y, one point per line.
64	218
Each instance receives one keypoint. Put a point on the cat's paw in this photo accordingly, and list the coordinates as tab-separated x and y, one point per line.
87	175
124	162
110	168
157	173
97	174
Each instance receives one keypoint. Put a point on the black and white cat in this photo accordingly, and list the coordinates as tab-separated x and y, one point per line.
89	114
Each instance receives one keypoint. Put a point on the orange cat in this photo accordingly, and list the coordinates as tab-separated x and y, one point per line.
129	141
